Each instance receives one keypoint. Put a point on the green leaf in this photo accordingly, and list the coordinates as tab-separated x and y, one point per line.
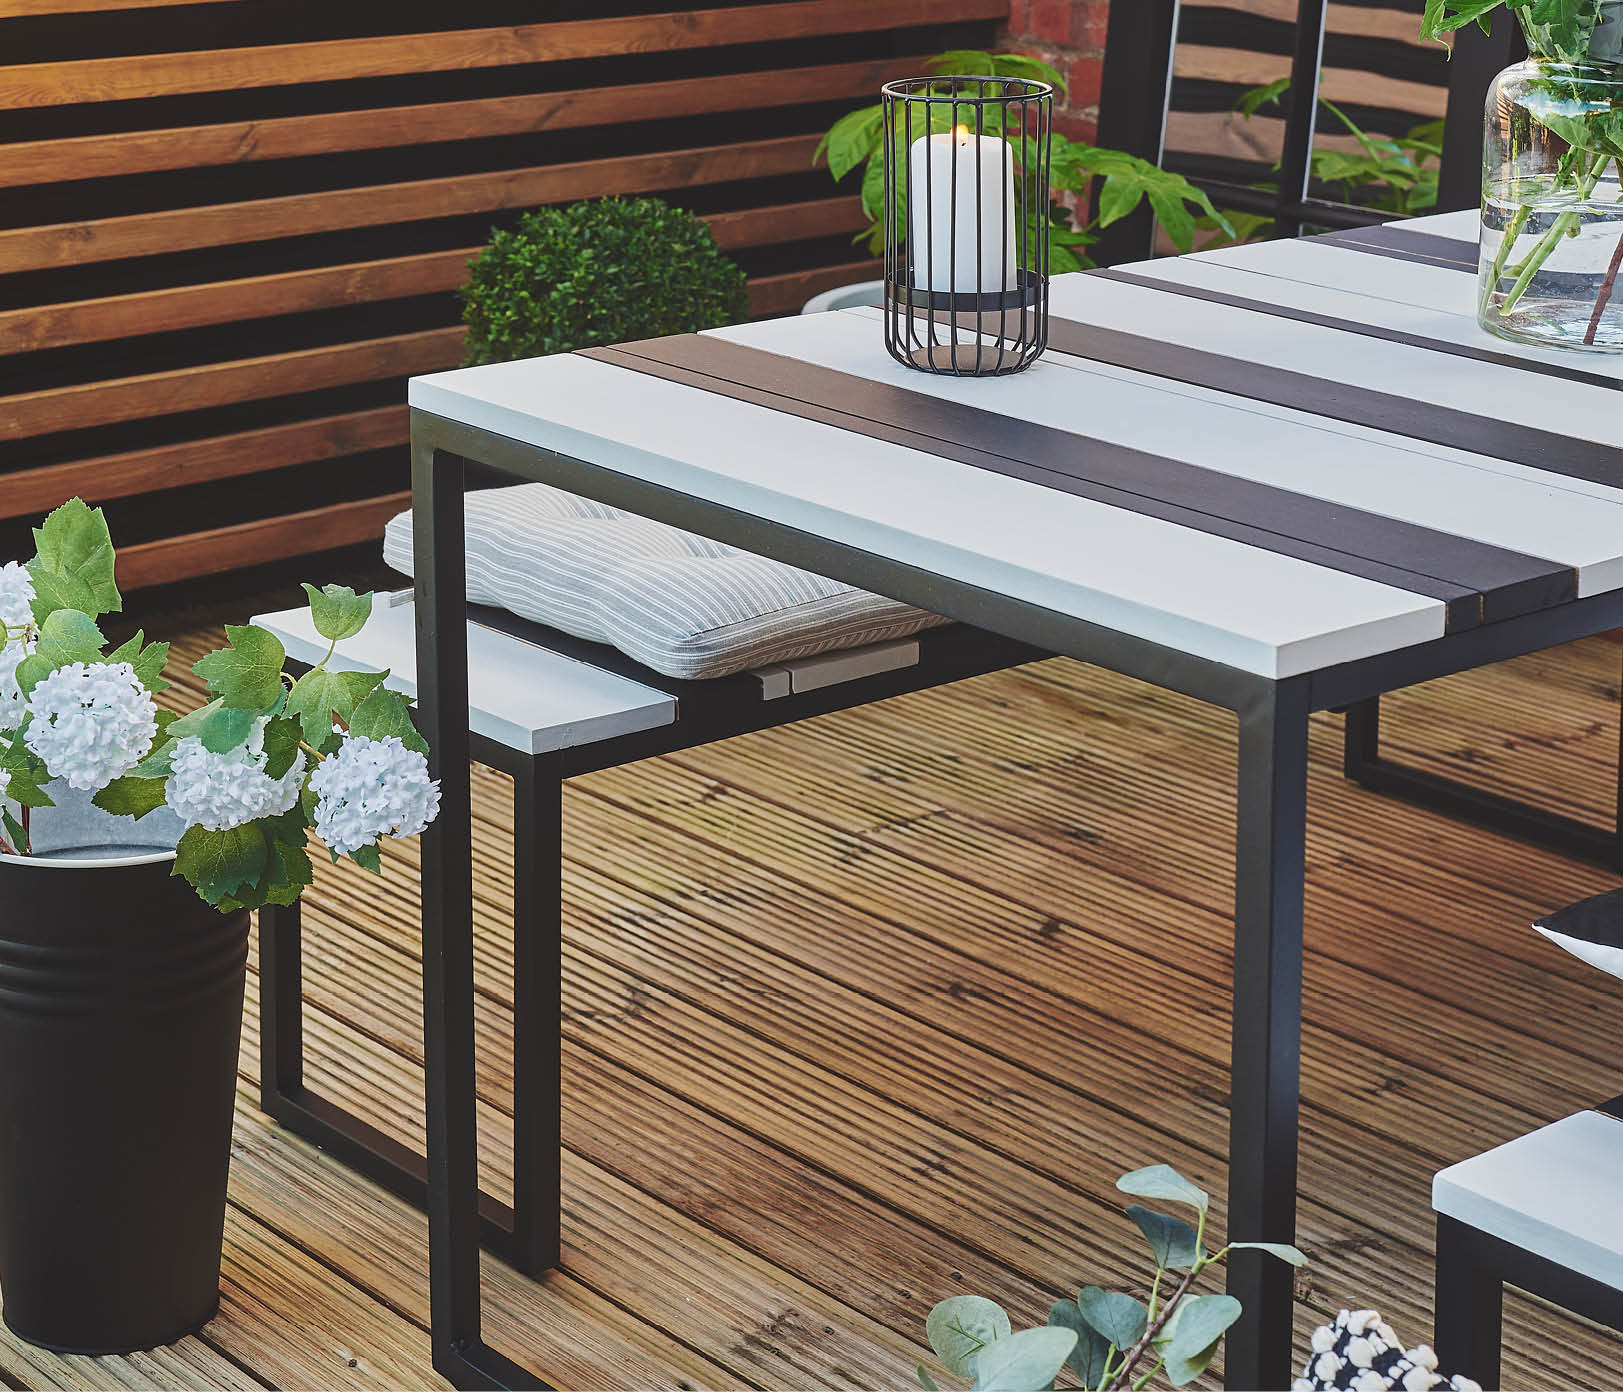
14	832
281	745
69	635
368	858
27	771
148	661
1025	1362
386	713
1024	65
247	674
337	611
221	727
1120	195
1172	1241
320	696
853	138
960	1326
1283	1250
1162	1182
1253	100
925	1380
218	864
1202	1322
1092	1351
1119	1318
130	796
74	563
963	62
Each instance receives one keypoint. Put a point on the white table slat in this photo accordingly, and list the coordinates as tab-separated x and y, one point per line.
1208	596
1376	472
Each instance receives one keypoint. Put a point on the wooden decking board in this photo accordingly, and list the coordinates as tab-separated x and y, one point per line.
807	970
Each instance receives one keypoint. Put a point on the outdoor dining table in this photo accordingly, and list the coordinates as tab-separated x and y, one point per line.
1281	478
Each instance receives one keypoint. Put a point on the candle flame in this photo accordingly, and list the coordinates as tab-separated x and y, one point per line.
960	133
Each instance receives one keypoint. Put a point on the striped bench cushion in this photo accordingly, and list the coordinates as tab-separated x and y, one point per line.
677	603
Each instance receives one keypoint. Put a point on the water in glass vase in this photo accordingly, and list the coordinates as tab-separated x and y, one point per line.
1550	259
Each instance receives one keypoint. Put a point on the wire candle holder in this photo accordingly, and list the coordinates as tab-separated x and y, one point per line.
966	223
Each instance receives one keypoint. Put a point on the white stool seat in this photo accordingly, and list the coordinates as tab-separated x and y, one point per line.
521	695
1556	1192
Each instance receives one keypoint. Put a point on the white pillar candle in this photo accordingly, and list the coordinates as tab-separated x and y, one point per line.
961	264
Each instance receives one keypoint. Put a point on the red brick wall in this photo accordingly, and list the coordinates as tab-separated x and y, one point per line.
1070	34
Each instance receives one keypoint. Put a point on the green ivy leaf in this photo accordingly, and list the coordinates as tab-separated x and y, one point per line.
1173	1242
321	695
1119	1318
218	864
246	675
960	1326
130	796
386	713
337	611
73	563
281	745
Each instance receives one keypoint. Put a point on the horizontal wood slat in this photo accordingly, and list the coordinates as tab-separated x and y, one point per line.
277	65
326	287
301	214
223	383
235	279
254	543
288	137
31	491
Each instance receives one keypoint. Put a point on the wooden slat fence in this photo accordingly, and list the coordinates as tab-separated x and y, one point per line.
229	231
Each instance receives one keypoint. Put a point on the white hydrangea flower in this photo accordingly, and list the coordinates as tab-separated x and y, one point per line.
221	791
372	788
12	705
16	596
92	723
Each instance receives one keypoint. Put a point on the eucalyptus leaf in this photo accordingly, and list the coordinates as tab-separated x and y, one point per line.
1163	1182
1202	1322
1119	1318
1092	1351
1025	1362
1173	1242
960	1326
925	1380
1283	1250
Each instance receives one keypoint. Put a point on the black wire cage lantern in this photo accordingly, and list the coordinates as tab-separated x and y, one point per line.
967	223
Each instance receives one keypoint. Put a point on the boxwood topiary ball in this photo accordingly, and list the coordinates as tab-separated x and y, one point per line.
604	271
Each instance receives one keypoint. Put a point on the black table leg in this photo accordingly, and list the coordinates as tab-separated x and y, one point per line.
1271	844
460	1353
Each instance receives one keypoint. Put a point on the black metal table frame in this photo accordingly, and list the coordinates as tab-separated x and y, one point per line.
1270	845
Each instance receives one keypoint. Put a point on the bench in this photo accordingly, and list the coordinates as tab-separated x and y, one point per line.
1544	1212
545	707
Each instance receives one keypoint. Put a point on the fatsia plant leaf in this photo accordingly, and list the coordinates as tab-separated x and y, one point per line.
960	1326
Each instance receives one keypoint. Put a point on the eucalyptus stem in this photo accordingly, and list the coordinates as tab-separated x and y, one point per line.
1123	1378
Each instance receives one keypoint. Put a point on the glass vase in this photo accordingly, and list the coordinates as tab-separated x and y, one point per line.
1552	219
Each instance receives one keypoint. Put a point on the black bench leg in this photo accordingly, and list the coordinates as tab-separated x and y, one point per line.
537	981
527	1234
1470	1305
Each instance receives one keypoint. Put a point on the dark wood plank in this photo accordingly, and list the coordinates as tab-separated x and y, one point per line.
274	65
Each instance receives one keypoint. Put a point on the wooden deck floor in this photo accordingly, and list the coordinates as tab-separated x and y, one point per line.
873	1010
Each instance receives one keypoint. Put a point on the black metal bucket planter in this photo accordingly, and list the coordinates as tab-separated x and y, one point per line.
120	1021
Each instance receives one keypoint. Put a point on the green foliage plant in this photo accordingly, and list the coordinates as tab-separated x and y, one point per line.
1106	1339
254	750
1564	32
603	271
857	140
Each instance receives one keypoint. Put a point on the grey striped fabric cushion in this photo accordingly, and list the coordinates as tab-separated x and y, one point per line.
677	603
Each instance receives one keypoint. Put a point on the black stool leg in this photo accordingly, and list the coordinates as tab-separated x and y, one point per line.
537	980
1361	745
281	1007
1470	1307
